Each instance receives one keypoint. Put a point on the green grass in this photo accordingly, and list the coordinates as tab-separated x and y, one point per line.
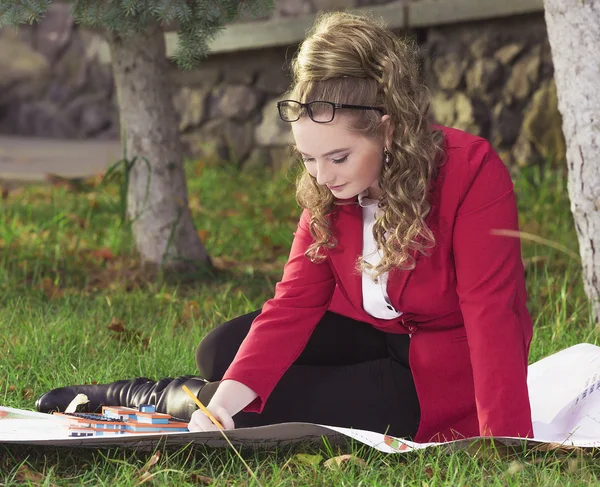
67	269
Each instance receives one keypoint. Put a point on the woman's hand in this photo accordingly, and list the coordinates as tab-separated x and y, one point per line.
200	422
230	398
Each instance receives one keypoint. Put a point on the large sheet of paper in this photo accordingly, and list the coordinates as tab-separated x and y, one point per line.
564	390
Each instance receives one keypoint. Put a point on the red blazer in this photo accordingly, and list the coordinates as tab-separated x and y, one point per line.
464	304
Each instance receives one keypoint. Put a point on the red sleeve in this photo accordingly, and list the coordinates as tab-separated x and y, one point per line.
491	290
280	333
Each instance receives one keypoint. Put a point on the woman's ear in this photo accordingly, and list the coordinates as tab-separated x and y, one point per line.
387	130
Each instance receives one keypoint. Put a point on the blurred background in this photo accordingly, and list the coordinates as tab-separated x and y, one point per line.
488	65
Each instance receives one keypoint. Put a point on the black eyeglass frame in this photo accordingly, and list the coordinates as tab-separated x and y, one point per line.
334	107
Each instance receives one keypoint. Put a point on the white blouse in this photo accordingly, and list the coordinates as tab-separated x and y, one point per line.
376	301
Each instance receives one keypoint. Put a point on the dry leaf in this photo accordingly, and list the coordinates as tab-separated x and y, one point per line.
144	477
191	309
343	460
104	254
428	471
203	234
25	474
116	325
27	393
12	388
200	479
153	460
50	289
515	467
305	458
124	335
268	213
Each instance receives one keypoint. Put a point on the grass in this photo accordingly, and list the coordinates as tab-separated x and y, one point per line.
68	270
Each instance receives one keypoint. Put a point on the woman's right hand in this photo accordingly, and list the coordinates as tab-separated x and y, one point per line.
200	421
230	398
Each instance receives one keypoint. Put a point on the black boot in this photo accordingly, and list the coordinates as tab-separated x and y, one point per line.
166	394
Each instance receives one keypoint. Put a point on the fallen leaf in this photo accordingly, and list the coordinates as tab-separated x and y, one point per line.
116	325
144	477
514	467
343	460
268	214
51	290
71	184
153	460
129	336
200	479
25	474
12	388
191	309
104	254
306	459
203	234
27	393
428	471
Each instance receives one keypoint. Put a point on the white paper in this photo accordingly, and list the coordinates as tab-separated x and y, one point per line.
564	390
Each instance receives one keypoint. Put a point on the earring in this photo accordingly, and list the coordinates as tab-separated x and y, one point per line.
387	156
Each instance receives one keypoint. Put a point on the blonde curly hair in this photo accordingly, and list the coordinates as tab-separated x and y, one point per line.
353	59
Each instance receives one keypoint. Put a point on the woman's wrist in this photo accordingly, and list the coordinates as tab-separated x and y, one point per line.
233	396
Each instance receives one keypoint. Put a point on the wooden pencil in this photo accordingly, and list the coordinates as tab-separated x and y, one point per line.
203	407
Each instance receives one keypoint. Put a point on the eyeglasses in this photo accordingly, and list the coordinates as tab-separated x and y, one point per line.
318	111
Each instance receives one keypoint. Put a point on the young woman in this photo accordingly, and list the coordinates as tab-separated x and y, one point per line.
400	308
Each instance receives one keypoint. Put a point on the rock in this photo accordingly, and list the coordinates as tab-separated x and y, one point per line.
24	73
272	130
524	75
91	113
190	104
275	157
324	5
449	70
273	81
292	8
484	44
235	101
454	111
236	74
54	32
507	125
45	119
482	77
221	140
365	3
206	77
281	157
239	138
73	72
542	123
507	54
259	157
523	152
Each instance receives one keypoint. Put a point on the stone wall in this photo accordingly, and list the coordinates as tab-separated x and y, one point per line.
492	78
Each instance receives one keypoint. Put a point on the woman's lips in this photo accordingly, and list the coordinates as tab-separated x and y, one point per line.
336	188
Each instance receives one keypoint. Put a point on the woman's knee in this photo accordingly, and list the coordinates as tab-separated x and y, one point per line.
216	351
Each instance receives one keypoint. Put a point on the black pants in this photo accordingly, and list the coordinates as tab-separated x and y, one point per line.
349	375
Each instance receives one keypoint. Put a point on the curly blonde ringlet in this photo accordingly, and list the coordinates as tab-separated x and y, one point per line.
353	59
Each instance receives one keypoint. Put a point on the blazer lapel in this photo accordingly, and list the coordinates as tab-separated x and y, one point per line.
398	278
349	233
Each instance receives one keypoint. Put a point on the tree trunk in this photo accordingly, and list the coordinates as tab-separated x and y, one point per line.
574	34
163	229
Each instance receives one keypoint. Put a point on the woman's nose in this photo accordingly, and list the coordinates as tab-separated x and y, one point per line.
323	173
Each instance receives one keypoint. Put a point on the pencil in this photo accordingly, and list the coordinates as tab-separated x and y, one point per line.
202	407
